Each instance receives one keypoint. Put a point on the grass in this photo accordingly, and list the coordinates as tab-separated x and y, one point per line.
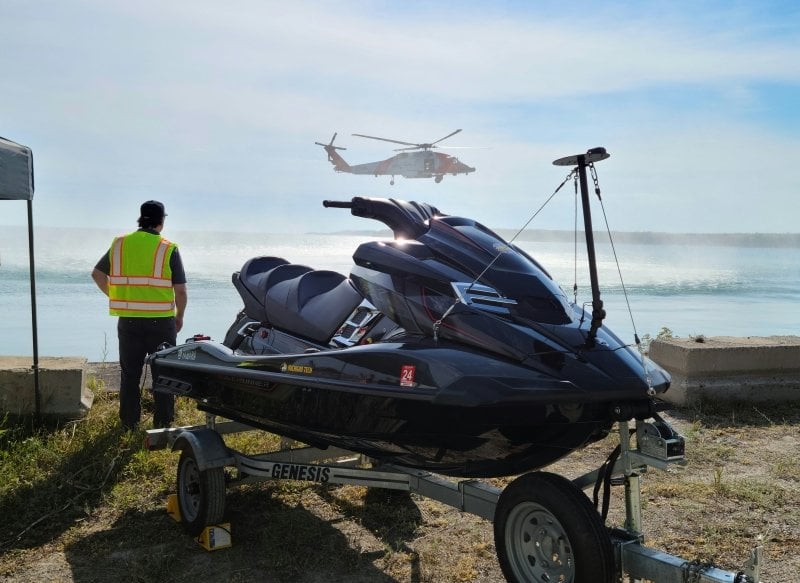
739	488
86	491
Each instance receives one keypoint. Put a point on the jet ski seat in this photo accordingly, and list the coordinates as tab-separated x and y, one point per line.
278	275
251	281
313	304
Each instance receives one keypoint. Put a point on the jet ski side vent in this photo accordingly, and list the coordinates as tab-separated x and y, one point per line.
482	297
172	386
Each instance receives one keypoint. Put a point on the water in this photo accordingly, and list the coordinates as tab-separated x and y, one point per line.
692	290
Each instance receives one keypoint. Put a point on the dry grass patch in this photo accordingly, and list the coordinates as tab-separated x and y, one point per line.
84	502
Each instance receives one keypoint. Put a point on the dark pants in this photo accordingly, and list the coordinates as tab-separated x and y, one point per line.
139	337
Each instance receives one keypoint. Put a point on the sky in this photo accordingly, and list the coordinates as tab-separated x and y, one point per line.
213	108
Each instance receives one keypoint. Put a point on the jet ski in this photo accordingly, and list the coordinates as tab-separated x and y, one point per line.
447	349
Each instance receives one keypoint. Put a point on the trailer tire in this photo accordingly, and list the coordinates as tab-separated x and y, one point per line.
201	493
545	529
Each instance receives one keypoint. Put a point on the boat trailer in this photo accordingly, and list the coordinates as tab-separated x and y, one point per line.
202	482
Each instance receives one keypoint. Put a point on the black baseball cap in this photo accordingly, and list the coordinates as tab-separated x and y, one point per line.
153	210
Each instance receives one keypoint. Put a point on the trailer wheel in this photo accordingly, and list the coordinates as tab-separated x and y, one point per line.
545	529
201	494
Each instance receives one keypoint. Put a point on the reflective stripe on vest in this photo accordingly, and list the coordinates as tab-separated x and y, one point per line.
123	280
140	282
141	306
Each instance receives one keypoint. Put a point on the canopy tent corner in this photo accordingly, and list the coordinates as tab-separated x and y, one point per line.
16	183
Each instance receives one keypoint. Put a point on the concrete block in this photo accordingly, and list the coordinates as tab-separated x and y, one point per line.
62	385
752	368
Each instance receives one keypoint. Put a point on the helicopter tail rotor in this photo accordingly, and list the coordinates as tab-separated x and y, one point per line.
330	144
339	164
330	148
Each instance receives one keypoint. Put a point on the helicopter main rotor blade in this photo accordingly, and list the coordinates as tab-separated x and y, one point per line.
386	140
412	146
444	138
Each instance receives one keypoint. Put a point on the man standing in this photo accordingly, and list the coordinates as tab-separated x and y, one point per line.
142	275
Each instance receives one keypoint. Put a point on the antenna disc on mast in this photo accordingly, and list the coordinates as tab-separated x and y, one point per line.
593	155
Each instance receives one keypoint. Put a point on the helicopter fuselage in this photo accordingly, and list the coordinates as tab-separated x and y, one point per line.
415	164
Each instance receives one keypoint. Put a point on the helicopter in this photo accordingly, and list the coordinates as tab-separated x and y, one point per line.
414	161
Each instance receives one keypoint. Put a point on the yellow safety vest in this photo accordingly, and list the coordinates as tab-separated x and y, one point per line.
140	282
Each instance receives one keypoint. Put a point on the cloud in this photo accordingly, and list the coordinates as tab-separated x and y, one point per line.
218	107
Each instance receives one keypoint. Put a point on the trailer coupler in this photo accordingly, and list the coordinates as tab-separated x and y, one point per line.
642	563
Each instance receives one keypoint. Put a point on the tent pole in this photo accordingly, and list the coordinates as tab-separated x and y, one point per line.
36	391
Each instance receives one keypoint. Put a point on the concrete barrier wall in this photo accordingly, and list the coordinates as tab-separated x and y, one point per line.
753	368
62	385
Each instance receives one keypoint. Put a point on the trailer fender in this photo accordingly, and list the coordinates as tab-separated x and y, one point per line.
209	449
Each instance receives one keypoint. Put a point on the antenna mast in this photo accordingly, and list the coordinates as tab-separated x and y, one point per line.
582	161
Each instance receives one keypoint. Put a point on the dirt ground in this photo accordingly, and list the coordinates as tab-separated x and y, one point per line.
740	488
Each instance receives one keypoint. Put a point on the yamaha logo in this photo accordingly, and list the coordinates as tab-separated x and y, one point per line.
184	354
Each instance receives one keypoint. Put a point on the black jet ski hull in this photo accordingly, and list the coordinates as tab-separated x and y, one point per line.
447	349
431	406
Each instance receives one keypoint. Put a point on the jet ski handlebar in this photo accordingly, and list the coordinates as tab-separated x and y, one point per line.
337	204
405	219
